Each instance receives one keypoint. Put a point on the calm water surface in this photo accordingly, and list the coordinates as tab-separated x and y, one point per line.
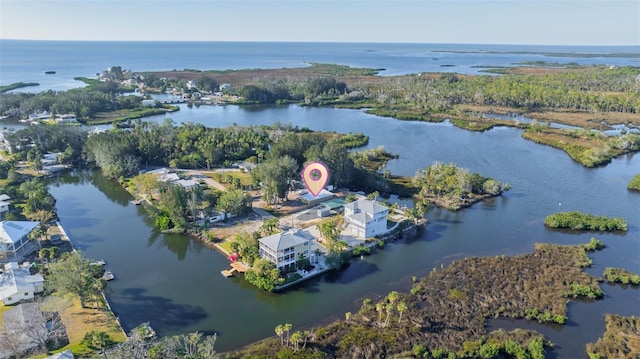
27	61
175	283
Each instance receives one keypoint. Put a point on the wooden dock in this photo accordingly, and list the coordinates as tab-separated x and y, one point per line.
236	267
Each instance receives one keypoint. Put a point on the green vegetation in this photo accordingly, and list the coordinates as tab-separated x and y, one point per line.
620	339
593	245
142	343
353	140
634	184
444	315
582	221
453	188
264	275
123	117
587	147
619	275
580	290
17	85
73	274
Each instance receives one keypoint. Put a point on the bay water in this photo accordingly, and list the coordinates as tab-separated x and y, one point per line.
175	282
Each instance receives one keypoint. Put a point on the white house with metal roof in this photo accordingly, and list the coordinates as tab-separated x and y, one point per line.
365	218
14	238
17	284
285	248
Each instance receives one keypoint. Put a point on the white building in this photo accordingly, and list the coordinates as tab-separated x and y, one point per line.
44	115
366	218
14	236
17	284
285	248
149	103
66	118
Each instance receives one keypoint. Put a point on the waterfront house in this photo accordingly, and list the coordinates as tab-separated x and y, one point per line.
66	118
285	248
366	218
14	238
18	284
44	115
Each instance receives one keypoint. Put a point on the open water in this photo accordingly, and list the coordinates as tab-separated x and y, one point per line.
175	283
27	61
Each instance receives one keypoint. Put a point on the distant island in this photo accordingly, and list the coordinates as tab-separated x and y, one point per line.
17	85
584	100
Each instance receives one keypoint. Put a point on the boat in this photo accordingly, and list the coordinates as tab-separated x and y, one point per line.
108	276
99	262
137	202
49	72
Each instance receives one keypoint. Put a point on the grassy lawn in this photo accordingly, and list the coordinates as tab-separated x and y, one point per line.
226	245
79	321
226	178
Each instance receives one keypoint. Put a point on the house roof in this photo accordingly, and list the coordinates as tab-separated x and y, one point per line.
367	206
4	197
19	280
308	197
283	240
361	217
187	183
12	231
23	313
26	316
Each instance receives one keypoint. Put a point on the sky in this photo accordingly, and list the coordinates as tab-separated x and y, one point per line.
548	22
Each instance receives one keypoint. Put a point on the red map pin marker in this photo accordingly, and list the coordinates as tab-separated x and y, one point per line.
315	176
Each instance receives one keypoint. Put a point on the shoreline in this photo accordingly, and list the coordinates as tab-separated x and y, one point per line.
104	296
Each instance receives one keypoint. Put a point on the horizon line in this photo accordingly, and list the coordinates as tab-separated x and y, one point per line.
330	42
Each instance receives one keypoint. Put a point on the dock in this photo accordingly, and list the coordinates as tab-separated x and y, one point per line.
236	267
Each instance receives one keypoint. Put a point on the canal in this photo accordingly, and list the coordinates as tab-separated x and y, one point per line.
175	283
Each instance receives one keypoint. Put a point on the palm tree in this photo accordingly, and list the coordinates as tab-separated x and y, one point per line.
379	308
306	334
280	331
42	216
296	338
402	307
269	226
392	298
287	328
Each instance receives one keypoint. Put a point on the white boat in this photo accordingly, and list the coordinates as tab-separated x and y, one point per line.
99	262
108	276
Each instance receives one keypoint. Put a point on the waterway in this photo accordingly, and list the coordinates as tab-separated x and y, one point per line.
175	283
